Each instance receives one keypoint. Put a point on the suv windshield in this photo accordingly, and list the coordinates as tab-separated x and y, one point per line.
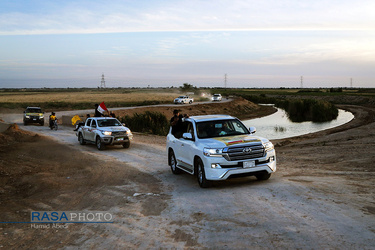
33	110
108	123
220	128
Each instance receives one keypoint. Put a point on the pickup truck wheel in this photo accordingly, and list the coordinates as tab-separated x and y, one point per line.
190	102
263	176
173	163
81	140
201	176
99	143
126	144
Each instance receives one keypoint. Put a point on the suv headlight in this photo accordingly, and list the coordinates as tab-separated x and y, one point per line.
213	152
268	146
106	132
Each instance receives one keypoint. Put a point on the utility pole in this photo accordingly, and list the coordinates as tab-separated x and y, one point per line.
301	82
351	82
102	83
225	81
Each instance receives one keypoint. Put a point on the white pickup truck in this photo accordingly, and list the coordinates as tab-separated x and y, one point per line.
183	99
218	147
103	131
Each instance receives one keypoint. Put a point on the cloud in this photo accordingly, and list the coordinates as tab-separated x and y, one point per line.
82	17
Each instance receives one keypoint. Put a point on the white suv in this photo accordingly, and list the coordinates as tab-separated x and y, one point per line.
103	131
218	147
216	97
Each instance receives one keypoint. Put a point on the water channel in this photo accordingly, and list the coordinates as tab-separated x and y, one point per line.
278	125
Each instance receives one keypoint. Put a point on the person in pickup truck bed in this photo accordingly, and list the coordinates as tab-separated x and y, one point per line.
81	123
97	113
111	114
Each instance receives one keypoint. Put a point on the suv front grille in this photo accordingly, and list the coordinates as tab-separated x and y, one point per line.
119	133
249	151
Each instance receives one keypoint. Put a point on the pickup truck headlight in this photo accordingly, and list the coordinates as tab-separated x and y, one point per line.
27	116
268	146
213	152
106	132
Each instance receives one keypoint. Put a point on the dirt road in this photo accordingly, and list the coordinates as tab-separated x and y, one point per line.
321	197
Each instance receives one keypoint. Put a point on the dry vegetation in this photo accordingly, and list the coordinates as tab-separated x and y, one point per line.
87	96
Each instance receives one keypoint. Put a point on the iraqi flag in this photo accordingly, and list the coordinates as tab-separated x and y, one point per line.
102	108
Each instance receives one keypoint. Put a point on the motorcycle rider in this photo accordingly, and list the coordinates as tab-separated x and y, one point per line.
52	119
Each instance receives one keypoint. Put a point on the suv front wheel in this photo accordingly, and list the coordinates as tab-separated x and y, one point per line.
201	175
263	176
126	144
173	163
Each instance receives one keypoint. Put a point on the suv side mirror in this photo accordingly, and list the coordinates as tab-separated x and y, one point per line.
252	130
187	136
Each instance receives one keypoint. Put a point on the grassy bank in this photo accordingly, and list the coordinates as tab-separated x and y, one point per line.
300	110
148	122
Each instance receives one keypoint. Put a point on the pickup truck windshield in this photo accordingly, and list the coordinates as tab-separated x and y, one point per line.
220	128
33	111
109	123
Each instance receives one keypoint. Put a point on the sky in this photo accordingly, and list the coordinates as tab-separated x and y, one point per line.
164	43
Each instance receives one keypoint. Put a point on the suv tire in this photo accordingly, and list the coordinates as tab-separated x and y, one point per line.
201	175
263	176
173	163
126	144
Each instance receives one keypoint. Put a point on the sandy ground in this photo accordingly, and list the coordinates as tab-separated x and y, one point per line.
322	195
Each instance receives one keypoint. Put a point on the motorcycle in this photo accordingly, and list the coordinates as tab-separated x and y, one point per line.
53	125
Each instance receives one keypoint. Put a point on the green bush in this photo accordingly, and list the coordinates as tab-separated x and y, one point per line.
309	110
300	110
149	122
